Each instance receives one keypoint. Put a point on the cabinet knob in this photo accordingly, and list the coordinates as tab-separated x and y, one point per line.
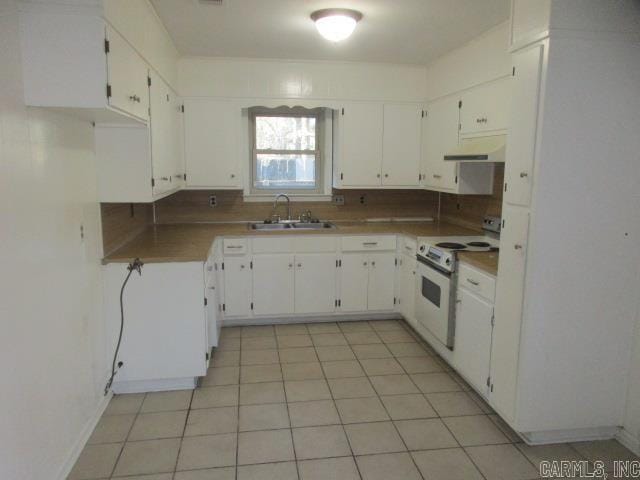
299	265
378	175
517	246
386	175
134	98
473	282
164	179
364	263
241	266
523	174
437	176
291	265
233	175
373	264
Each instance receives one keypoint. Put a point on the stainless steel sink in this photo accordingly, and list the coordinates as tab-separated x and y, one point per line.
312	225
291	225
270	226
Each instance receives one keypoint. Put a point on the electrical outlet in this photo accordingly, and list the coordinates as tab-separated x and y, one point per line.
363	199
213	201
338	199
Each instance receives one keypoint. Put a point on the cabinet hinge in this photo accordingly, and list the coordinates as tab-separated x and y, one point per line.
459	103
396	262
459	126
184	177
153	182
339	302
493	320
205	301
206	356
148	80
342	110
422	114
335	302
182	108
505	186
223	265
106	46
456	179
513	72
488	381
108	91
395	300
503	222
251	265
224	307
251	305
342	176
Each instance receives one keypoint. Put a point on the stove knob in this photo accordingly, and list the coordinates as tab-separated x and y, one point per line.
422	248
448	261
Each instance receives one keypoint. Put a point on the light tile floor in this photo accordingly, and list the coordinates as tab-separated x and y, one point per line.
353	400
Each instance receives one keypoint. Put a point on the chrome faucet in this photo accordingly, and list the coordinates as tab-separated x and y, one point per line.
275	204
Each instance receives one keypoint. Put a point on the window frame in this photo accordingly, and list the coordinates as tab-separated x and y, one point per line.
316	113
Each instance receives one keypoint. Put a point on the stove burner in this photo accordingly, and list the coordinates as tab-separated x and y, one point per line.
451	245
479	244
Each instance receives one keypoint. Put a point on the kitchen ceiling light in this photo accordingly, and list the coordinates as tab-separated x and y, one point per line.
336	24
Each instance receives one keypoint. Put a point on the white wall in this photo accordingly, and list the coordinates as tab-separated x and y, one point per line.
52	341
249	78
483	59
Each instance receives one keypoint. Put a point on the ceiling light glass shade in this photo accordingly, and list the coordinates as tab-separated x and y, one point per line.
336	24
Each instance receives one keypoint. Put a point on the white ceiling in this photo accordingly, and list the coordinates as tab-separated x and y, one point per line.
394	31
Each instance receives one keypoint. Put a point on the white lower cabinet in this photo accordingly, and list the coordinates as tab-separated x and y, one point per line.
367	281
237	286
406	291
273	281
472	352
165	331
381	291
354	282
315	283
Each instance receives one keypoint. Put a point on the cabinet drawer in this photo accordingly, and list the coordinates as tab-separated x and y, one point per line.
234	246
477	282
276	244
357	243
315	244
408	246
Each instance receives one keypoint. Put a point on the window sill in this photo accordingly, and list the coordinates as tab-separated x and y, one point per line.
269	198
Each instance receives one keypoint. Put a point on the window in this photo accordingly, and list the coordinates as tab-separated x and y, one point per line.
287	154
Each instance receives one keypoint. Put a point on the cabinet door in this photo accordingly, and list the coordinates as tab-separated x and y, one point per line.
508	309
237	287
162	134
315	283
361	144
441	137
354	282
127	77
211	129
401	145
521	142
407	288
472	350
273	284
381	291
486	107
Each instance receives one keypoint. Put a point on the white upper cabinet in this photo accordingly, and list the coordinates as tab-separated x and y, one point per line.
401	145
359	142
521	142
212	135
529	21
440	137
126	76
485	108
138	163
76	61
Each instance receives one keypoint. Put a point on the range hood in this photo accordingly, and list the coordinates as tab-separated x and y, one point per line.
479	150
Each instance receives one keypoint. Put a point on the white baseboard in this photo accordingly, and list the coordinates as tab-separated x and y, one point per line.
630	441
162	385
87	430
345	317
566	436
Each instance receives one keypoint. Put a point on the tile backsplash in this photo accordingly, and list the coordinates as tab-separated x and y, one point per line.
190	206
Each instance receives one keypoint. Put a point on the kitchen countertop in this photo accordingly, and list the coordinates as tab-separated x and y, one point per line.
485	261
191	242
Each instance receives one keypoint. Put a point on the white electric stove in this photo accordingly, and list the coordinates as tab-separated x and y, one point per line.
435	306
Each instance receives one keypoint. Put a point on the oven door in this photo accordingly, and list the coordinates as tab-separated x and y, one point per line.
433	308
